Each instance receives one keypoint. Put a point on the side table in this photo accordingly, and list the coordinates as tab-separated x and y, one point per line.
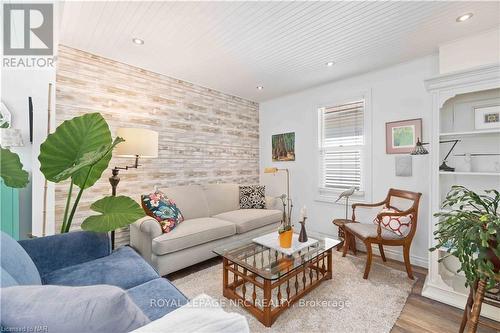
340	224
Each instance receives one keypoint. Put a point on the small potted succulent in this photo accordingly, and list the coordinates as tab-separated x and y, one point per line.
285	231
469	228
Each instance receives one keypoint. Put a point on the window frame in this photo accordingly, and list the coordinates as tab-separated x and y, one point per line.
330	195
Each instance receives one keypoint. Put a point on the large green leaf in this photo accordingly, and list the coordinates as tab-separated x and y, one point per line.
117	212
88	159
11	169
68	145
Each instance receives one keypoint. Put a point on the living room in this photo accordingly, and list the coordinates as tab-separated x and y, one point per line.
163	161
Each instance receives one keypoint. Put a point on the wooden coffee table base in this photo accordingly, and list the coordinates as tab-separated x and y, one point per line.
267	299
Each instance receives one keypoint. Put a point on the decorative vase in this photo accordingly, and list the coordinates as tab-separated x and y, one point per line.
303	233
286	239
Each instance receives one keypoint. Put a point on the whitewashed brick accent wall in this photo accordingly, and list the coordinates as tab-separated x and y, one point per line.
205	136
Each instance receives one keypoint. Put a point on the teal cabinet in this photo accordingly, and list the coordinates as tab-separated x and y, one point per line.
9	210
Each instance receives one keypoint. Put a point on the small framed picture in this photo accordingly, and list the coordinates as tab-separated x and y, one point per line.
283	147
401	136
487	117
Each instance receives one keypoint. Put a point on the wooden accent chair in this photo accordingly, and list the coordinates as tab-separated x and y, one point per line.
371	233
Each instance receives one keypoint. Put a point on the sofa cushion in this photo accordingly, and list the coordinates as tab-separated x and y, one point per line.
191	233
157	297
190	199
99	308
6	280
222	198
16	262
370	231
249	219
123	268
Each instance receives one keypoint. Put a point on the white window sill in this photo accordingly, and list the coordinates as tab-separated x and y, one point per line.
331	197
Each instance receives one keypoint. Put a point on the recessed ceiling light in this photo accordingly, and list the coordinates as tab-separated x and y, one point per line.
464	17
137	41
260	87
330	64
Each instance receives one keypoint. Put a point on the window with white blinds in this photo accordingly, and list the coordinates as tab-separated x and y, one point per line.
341	140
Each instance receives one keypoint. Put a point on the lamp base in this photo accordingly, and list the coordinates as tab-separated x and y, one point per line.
444	167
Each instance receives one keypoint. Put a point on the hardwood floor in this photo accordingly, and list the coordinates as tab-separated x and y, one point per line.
420	314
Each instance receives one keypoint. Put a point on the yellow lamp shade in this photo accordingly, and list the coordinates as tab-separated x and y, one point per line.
270	170
138	142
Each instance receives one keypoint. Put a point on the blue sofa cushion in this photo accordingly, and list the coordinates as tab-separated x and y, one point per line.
54	252
157	297
17	263
123	268
6	280
69	309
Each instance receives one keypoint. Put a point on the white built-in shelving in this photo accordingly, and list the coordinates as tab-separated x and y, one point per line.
469	133
455	96
470	173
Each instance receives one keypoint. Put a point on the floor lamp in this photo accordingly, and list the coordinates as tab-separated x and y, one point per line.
139	143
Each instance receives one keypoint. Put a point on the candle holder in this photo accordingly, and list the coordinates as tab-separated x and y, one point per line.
303	233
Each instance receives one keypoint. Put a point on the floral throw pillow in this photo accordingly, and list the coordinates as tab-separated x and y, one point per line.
162	209
252	196
400	225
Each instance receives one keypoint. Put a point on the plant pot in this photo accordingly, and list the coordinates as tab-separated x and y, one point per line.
286	239
492	257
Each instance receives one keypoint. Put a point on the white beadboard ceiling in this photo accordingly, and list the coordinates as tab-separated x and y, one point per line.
284	46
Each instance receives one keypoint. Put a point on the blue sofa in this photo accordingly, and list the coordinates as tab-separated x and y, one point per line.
82	259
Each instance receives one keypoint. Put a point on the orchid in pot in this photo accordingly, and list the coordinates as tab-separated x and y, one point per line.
285	230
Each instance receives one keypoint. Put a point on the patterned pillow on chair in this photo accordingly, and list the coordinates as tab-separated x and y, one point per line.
252	196
162	209
400	225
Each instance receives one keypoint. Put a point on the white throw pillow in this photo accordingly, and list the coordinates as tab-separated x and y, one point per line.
400	225
209	316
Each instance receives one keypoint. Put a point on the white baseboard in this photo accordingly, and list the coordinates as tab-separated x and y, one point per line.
391	252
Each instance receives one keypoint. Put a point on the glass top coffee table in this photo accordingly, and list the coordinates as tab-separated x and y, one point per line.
266	281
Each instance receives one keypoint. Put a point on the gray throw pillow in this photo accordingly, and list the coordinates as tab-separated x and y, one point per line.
49	308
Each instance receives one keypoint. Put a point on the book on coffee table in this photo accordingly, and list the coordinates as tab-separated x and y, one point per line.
272	241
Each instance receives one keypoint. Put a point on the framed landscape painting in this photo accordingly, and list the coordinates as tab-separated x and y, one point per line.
283	147
401	136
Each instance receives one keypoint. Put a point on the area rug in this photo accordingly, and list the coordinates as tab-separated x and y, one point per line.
346	303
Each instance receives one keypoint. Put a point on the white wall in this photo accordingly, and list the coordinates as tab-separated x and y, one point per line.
17	84
473	51
397	93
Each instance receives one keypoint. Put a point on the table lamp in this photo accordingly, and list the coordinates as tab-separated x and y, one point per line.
139	143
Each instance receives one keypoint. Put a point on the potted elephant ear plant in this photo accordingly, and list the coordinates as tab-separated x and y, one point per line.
77	153
469	228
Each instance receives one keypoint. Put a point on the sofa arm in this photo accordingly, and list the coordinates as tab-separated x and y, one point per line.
63	250
149	226
142	234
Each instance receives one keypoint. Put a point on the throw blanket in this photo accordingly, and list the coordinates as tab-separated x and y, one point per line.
202	314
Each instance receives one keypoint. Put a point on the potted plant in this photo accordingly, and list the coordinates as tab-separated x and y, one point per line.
469	228
77	152
285	231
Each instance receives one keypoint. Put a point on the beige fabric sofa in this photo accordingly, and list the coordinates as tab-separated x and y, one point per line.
212	218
